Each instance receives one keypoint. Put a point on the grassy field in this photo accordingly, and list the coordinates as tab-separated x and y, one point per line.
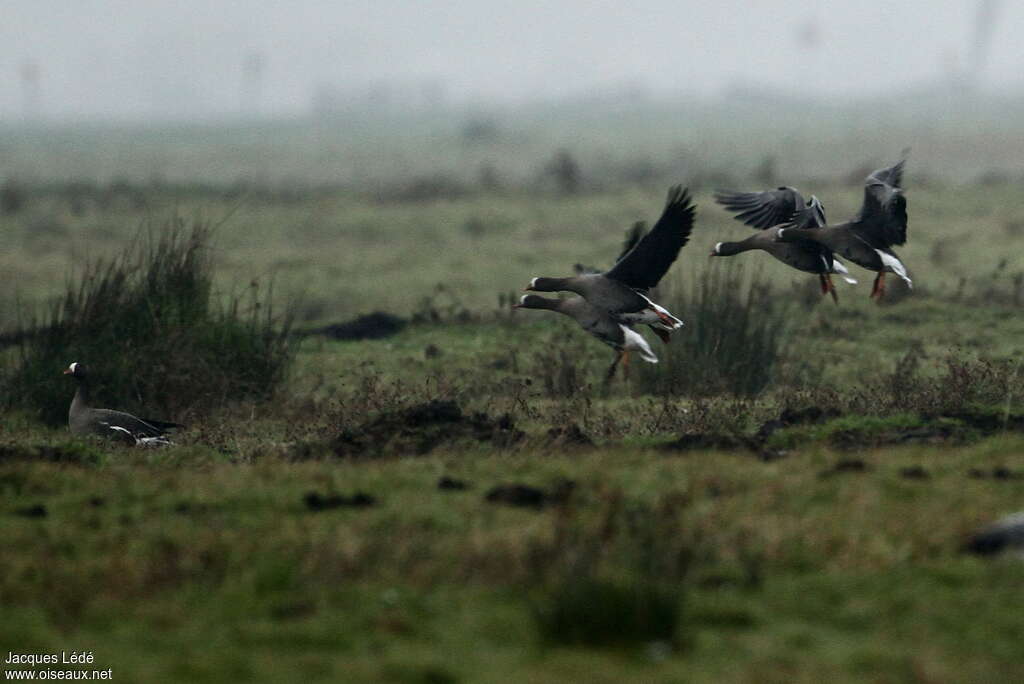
655	536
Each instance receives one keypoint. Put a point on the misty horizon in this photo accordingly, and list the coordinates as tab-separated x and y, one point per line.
111	59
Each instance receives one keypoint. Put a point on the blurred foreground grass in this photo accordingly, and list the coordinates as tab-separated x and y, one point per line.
191	565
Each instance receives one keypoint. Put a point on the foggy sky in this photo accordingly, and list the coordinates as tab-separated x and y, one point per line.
142	59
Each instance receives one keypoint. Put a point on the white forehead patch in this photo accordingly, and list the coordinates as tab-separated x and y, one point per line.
533	282
522	300
73	366
718	248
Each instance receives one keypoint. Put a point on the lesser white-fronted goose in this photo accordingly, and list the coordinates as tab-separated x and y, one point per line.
117	425
599	323
784	205
867	239
621	291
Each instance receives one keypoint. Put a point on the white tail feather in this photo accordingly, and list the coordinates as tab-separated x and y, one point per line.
636	342
894	265
839	268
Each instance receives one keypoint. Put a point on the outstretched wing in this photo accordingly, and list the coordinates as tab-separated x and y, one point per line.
762	209
882	220
650	258
633	236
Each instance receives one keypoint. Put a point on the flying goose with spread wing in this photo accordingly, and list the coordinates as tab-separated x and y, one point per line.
771	208
867	239
621	291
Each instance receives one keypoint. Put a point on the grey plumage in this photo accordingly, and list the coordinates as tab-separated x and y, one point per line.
621	290
595	321
867	239
784	205
117	425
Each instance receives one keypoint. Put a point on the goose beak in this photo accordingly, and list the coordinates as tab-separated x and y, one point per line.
67	371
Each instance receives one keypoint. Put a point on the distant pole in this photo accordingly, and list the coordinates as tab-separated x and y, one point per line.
31	91
253	70
984	25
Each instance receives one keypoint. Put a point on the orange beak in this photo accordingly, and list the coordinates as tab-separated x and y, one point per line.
67	371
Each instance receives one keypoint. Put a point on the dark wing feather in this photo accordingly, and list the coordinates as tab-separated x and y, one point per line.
762	209
650	258
633	236
119	419
810	216
882	220
892	176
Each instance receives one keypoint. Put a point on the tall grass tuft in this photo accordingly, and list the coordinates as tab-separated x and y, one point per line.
736	330
153	333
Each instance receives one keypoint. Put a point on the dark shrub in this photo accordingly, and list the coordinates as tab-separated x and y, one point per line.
619	579
736	330
156	338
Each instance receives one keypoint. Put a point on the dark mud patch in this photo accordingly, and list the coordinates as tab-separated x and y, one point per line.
36	511
527	496
568	437
856	438
811	415
693	441
317	502
50	453
371	326
418	430
846	465
996	473
914	472
451	484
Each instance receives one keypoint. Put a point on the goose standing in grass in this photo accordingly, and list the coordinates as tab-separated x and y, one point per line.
785	205
867	239
599	323
622	290
124	427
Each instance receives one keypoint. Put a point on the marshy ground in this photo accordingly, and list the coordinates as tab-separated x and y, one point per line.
460	498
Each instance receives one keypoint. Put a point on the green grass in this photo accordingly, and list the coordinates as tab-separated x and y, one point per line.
186	566
203	563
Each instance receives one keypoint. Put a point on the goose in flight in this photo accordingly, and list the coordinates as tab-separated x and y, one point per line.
867	239
621	291
784	205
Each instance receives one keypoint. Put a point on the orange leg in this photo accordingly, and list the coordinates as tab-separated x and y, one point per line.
823	282
625	364
832	288
878	290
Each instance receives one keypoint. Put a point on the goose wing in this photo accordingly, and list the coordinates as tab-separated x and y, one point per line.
882	220
644	264
107	420
762	209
